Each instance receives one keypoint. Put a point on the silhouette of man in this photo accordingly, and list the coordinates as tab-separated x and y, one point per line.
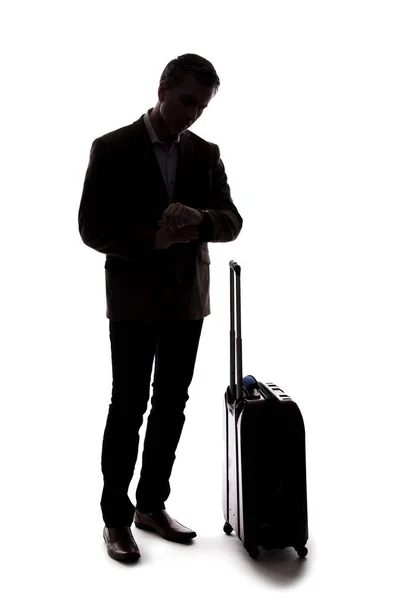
154	194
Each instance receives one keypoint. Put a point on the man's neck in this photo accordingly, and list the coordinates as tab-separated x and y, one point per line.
159	126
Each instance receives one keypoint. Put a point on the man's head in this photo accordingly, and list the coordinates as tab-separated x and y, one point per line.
187	85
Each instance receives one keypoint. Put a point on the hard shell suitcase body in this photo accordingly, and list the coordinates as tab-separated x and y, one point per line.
264	471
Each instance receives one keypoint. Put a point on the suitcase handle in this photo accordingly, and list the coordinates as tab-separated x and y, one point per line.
236	349
249	387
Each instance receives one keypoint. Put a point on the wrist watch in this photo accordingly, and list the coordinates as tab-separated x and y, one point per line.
203	210
205	227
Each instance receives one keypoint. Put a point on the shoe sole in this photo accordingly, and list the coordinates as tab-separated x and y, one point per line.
166	537
123	557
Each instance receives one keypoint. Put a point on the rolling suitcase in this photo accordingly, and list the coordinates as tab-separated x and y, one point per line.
264	471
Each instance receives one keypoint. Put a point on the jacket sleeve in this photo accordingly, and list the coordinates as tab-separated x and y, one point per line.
101	225
222	221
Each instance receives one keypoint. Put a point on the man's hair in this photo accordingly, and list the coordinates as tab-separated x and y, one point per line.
175	71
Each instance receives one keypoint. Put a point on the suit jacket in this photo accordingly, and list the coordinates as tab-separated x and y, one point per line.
123	198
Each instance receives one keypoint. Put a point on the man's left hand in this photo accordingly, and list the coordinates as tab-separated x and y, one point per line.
178	215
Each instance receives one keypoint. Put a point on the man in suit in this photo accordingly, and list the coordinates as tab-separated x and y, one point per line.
153	196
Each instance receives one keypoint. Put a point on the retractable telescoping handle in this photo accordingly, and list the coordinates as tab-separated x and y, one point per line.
236	349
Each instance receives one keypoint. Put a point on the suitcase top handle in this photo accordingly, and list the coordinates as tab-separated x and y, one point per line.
236	357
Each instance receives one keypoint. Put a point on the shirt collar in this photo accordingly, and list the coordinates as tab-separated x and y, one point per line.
153	136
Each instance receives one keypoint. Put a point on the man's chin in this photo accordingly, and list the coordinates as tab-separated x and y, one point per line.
179	127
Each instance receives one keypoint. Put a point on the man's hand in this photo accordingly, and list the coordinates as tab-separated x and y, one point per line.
178	215
166	238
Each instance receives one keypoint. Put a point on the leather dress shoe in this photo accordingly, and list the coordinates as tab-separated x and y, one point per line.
121	544
161	522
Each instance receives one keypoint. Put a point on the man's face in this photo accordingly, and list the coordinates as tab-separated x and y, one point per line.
180	107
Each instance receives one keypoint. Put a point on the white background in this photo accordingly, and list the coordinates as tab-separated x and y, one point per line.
307	121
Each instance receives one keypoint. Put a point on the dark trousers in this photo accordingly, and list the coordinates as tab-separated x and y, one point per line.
134	346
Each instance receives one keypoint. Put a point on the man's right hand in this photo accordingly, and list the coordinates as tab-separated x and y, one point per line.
165	237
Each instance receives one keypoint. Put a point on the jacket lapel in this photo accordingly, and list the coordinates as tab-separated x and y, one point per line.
143	147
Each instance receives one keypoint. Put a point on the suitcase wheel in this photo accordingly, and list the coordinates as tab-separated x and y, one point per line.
228	528
253	551
302	552
267	547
